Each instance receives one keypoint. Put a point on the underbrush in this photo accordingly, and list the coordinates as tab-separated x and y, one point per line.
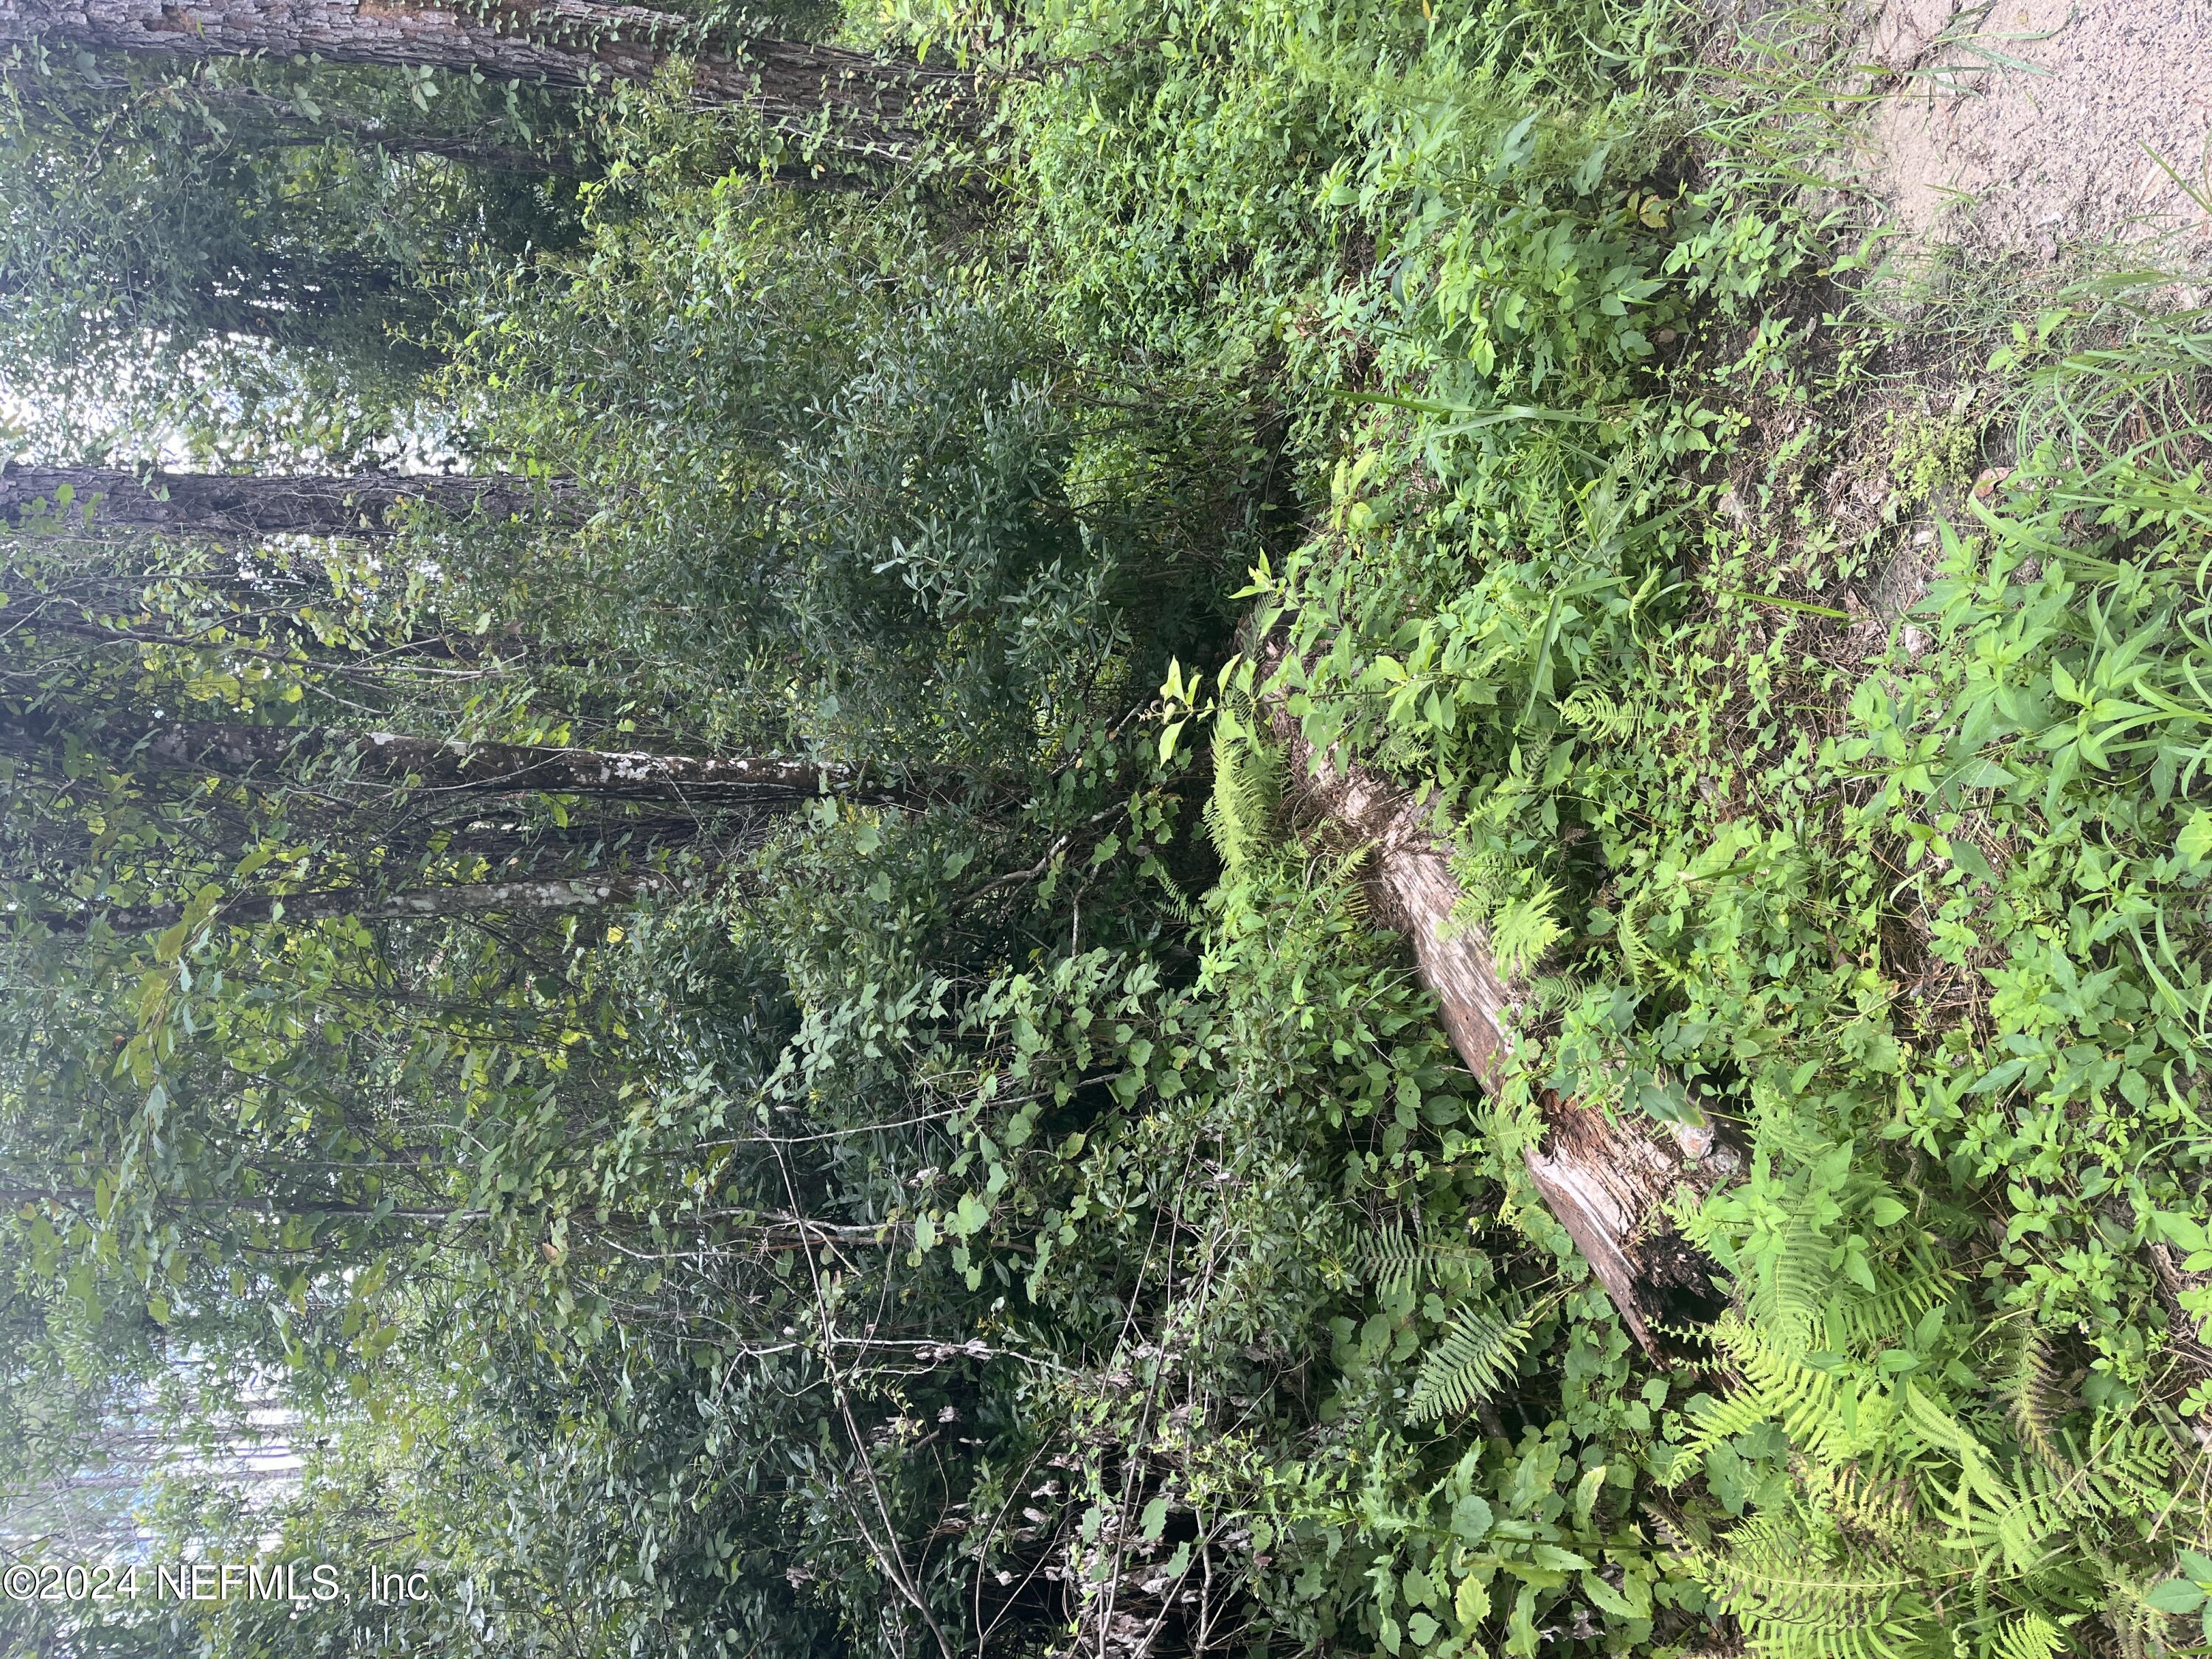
1817	781
1043	1213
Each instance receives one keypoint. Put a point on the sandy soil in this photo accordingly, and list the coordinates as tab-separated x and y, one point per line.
2027	124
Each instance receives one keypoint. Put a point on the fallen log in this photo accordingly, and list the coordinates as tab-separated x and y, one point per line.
1607	1180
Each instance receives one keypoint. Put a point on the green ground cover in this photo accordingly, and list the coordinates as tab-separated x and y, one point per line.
1807	639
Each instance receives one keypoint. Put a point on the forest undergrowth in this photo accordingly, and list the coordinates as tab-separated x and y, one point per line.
1007	1192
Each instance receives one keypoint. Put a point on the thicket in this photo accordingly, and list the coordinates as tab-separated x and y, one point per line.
1006	1191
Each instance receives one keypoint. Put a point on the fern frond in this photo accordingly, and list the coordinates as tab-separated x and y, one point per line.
2026	1532
1338	886
2019	1520
1876	1505
2031	1636
1784	1584
1396	1258
1869	1322
1477	1353
1485	878
2128	1468
1778	1386
1636	960
2037	1397
1523	929
1546	993
2135	1628
1848	1640
1393	1258
1785	1297
1248	795
1597	714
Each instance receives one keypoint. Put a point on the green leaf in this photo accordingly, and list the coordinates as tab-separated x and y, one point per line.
2194	844
1470	1519
1606	1599
2174	1596
1471	1602
1154	1521
1968	857
2183	1231
1781	603
1586	1493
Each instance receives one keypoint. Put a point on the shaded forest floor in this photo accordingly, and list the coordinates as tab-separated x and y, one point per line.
1023	1197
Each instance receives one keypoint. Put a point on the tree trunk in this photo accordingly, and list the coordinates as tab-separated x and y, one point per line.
509	767
871	105
233	504
1605	1178
481	768
295	125
420	904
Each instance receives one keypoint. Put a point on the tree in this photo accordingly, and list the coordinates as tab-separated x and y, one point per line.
291	121
868	104
232	504
495	769
280	121
418	904
165	221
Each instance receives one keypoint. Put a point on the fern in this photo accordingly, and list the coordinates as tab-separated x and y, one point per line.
1877	1505
1779	1386
1794	1591
1395	1258
1926	1516
1597	714
2031	1636
1869	1321
2036	1396
1388	1256
1791	1286
1636	960
1248	796
1486	881
1546	993
1523	929
1477	1352
2130	1468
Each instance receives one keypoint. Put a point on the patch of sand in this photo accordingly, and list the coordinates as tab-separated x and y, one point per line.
2024	125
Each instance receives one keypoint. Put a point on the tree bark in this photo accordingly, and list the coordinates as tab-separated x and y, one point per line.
503	769
1605	1178
296	126
293	125
872	105
233	504
420	904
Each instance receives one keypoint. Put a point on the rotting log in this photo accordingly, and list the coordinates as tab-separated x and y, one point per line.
1607	1180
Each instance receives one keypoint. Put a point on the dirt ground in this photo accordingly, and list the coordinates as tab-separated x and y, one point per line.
2040	126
